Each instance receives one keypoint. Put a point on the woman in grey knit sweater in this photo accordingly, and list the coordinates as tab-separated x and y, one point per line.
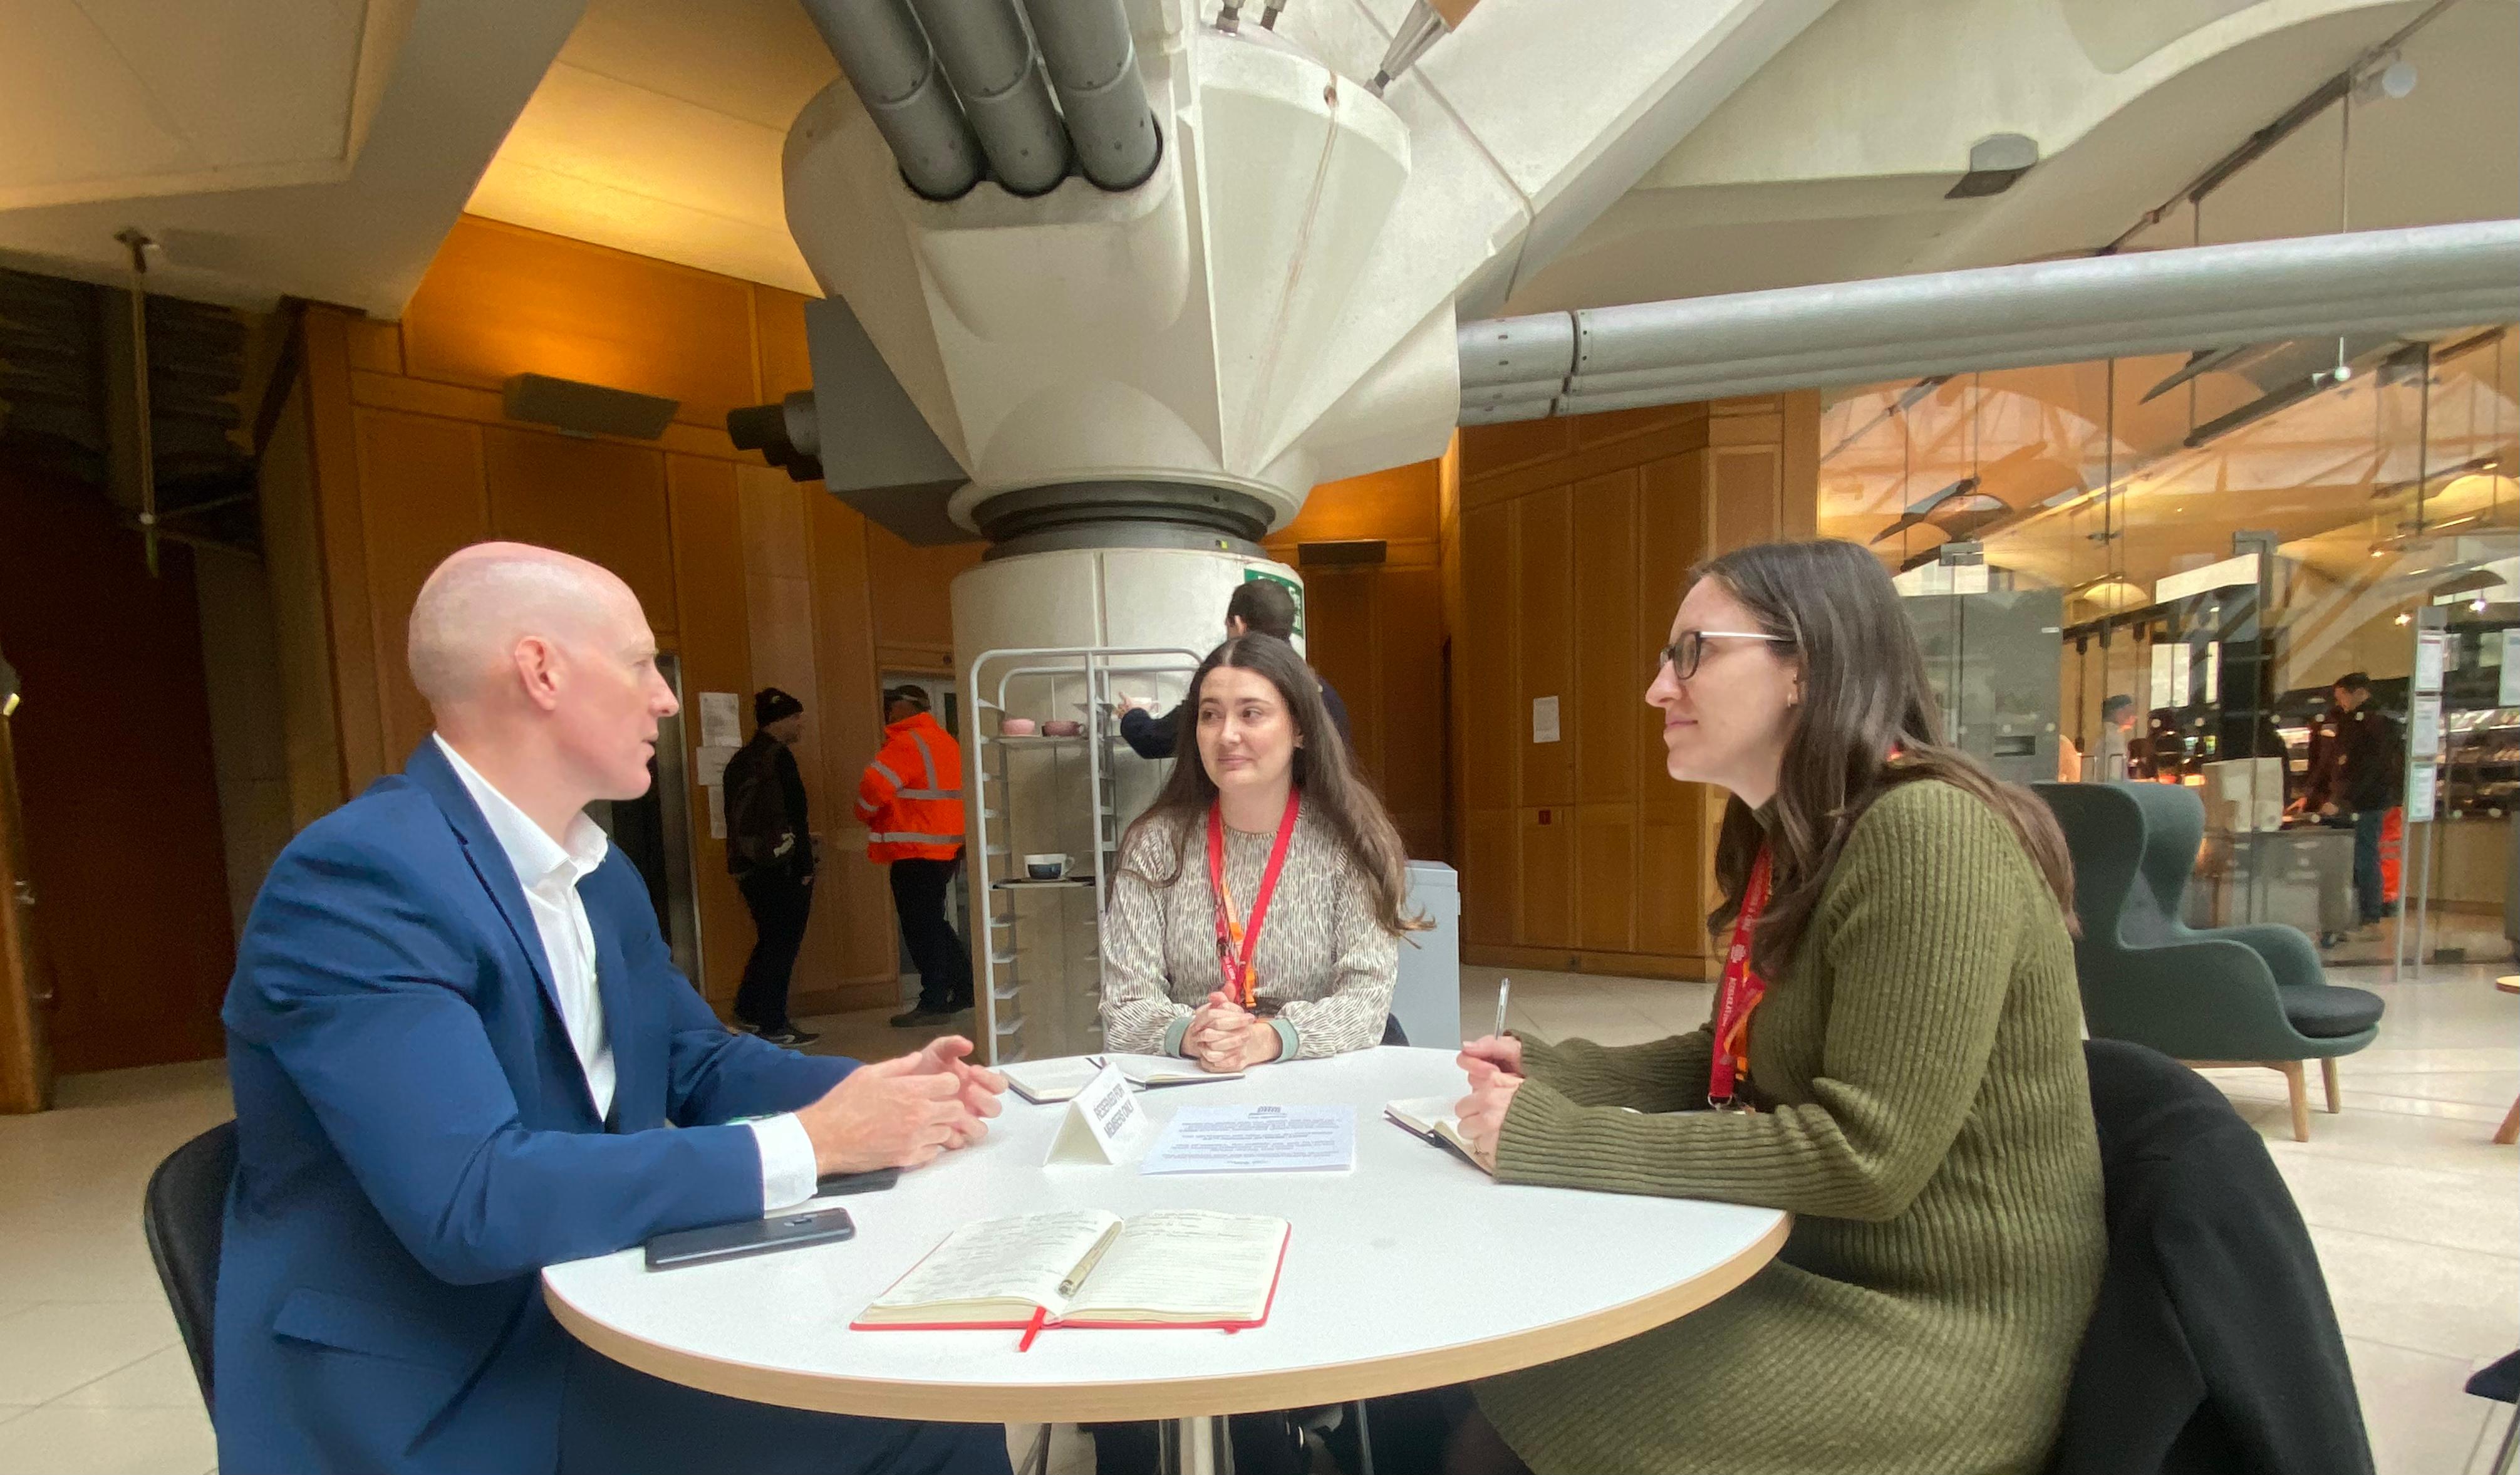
1182	972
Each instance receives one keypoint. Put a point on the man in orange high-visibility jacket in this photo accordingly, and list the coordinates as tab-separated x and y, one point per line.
911	801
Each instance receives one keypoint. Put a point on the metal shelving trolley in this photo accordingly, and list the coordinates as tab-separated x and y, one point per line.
1038	943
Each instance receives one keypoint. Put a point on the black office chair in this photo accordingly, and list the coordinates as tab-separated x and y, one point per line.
183	1214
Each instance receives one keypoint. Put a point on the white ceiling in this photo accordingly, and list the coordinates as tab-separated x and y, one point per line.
291	146
315	148
659	131
114	99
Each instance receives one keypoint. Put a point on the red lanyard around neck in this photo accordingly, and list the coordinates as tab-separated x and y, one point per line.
1236	942
1738	995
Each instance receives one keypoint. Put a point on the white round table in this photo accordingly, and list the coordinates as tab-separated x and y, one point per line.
1411	1271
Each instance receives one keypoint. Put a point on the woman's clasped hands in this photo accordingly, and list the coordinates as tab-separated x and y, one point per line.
1495	1064
1224	1036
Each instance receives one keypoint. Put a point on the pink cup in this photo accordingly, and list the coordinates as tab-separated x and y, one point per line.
1018	727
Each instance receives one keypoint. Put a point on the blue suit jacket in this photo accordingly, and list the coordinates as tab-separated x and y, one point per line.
415	1140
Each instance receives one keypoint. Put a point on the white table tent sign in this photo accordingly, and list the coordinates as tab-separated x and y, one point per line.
1101	1121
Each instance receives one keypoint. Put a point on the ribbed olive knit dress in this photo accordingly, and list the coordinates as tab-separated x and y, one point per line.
1929	1125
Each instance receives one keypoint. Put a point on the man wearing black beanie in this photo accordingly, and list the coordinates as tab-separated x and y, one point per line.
770	848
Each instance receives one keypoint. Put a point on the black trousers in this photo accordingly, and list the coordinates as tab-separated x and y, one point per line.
780	902
935	947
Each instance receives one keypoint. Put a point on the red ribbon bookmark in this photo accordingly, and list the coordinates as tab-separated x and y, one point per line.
1039	1315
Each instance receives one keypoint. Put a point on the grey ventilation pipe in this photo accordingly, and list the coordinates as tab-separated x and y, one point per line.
988	57
1085	45
887	59
2428	279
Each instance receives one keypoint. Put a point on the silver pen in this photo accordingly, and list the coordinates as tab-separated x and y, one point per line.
1505	986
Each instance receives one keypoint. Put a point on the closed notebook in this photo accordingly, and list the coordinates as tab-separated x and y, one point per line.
1042	1082
1181	1268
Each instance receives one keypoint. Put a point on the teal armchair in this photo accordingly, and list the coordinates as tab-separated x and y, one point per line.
2218	996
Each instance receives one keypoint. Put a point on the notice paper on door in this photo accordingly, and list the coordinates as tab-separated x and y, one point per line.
1255	1140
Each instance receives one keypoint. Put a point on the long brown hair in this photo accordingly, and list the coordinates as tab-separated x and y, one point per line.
1864	693
1333	791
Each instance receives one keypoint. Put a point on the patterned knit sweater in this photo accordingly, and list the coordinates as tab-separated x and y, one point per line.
1323	966
1929	1125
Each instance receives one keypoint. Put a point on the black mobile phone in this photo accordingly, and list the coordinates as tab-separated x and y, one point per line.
873	1180
749	1236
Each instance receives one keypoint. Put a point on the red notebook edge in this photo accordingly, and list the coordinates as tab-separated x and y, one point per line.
1275	1278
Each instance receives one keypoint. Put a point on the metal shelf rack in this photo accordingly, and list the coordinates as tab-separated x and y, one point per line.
1001	879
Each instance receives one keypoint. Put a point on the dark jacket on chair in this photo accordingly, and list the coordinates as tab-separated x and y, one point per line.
2213	1350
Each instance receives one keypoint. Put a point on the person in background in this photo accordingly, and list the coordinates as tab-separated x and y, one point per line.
911	801
2108	764
770	849
460	1054
2369	780
1893	1057
1259	607
1258	904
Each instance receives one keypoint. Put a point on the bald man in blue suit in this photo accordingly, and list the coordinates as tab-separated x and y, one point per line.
460	1052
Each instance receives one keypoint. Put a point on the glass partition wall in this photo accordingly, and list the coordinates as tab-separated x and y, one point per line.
2162	566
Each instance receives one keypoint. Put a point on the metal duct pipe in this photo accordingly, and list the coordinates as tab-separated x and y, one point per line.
988	57
2426	279
1092	62
886	57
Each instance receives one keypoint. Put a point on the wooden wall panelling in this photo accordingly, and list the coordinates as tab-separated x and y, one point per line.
499	301
1611	664
292	555
911	592
714	642
1745	480
1342	647
1605	877
374	345
1488	884
358	702
779	331
1545	647
1489	629
1798	513
1544	860
1456	708
600	500
421	496
1416	759
1672	516
856	896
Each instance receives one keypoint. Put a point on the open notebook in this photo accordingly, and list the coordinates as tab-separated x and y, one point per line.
1431	1118
1085	1267
1047	1081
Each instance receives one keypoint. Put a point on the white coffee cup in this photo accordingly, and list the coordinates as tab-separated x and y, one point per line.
1045	868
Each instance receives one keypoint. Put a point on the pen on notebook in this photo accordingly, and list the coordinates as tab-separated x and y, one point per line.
1505	986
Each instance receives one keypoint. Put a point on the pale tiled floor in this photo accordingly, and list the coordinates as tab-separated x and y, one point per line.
2413	1210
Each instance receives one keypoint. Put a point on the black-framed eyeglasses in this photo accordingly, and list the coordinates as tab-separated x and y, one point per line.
1684	654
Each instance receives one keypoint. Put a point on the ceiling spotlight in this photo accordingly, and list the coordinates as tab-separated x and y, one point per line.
2478	604
2398	79
2405	618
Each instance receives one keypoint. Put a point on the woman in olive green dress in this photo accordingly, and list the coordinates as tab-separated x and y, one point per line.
1899	1067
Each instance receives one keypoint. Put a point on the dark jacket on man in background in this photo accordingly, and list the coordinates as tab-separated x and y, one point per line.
767	827
2371	764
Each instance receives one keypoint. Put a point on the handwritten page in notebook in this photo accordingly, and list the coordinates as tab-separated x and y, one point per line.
1183	1266
1176	1268
998	1270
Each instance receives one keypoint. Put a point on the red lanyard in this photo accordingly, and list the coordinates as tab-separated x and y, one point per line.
1236	942
1739	993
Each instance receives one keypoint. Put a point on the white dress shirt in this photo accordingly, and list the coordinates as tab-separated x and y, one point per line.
550	873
